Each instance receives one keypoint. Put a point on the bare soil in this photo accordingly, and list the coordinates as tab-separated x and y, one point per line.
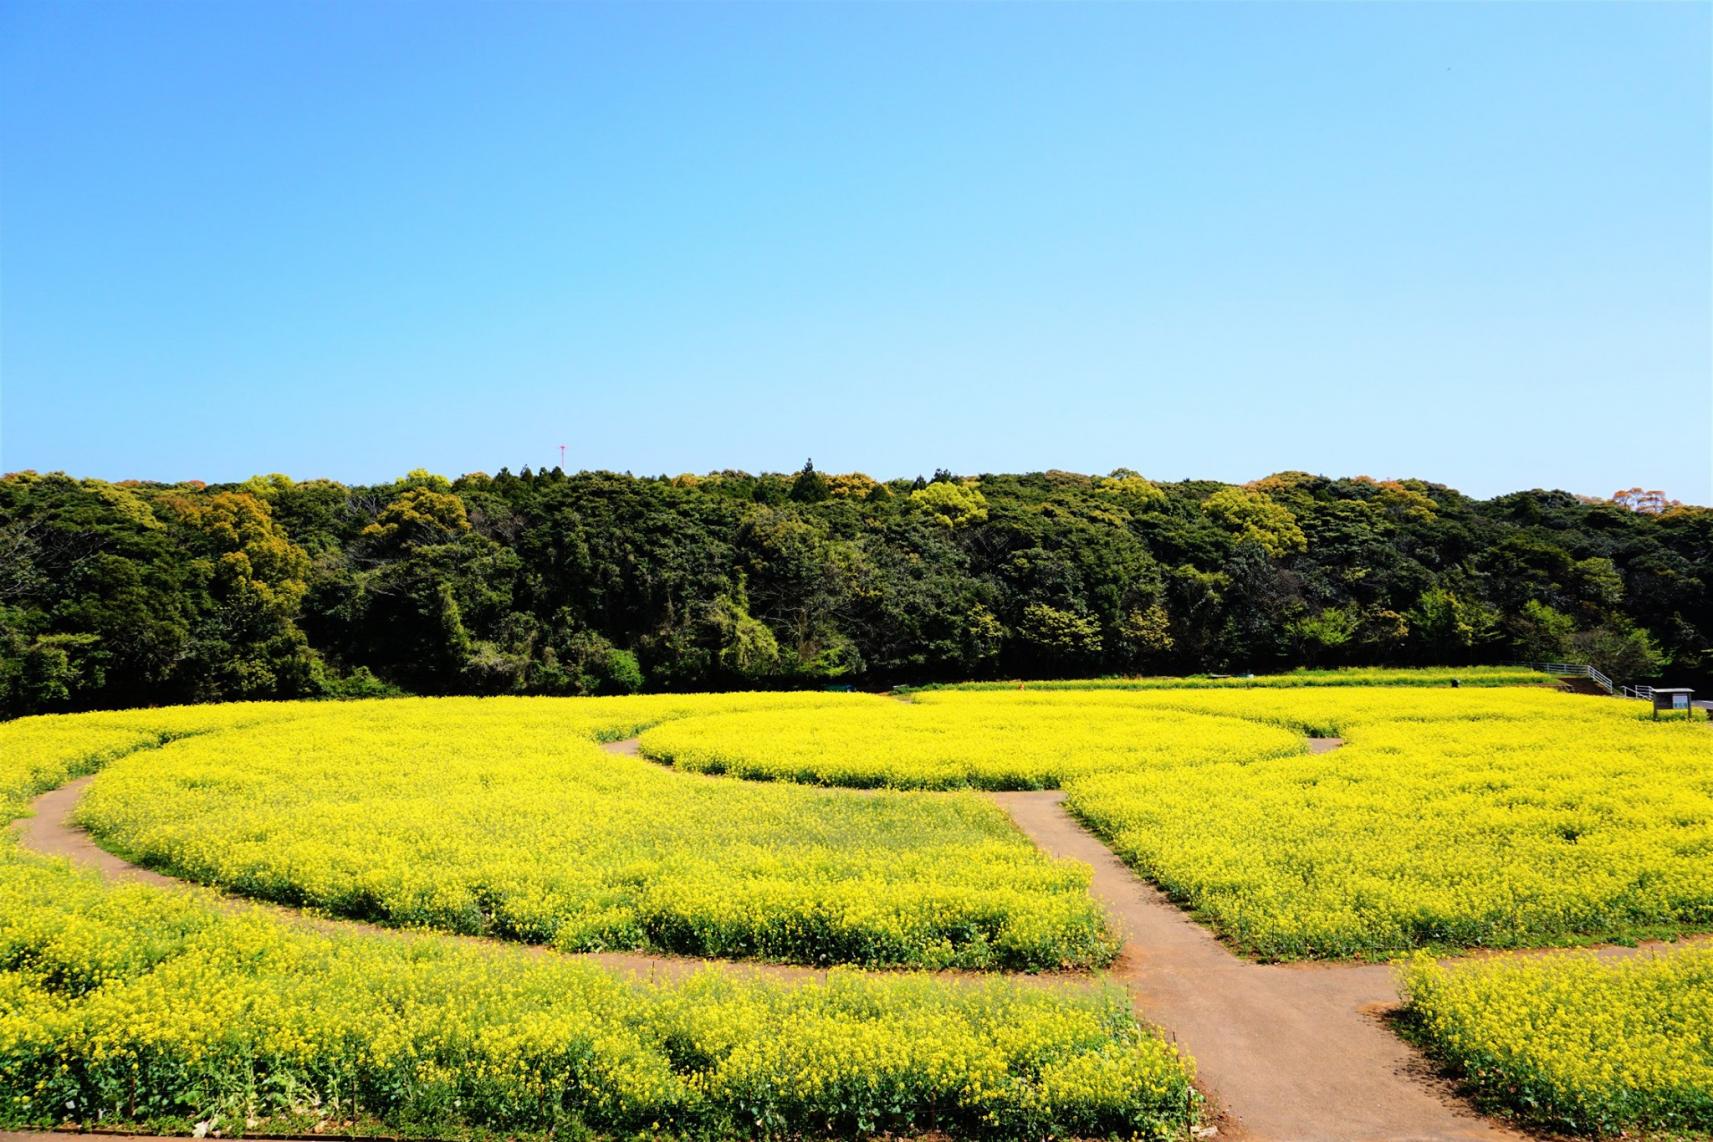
1285	1051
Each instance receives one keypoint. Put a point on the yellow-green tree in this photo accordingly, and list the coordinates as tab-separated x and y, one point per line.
257	560
1250	514
951	505
420	515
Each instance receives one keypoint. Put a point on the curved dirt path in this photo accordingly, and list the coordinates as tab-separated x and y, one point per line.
52	832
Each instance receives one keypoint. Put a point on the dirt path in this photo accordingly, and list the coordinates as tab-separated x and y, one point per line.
1288	1052
51	832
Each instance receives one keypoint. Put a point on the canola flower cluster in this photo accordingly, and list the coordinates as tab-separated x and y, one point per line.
1571	1043
42	753
945	743
501	817
163	1008
1503	818
1450	818
147	1006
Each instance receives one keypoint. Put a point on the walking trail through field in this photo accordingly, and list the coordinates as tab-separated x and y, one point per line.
1293	1051
1286	1052
52	832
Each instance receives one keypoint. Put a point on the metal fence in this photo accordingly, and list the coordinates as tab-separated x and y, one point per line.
1576	670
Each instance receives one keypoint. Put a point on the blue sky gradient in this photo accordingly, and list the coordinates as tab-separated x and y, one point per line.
1468	243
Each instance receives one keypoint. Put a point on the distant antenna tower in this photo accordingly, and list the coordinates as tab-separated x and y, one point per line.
562	457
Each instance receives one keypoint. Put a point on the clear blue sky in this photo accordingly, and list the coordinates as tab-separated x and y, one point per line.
1463	242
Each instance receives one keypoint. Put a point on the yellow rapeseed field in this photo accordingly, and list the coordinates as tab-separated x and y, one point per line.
949	742
1450	818
143	1005
1506	818
500	816
1570	1043
37	754
159	1007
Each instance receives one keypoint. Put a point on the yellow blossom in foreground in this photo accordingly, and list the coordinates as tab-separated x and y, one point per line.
1571	1043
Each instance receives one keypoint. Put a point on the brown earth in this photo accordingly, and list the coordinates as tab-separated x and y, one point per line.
52	832
1285	1051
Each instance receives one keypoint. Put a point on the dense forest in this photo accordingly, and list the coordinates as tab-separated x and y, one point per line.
545	583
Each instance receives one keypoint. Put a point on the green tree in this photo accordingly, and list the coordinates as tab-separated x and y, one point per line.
810	487
1145	636
1542	634
1450	629
1060	639
1627	654
116	594
419	515
1325	637
746	648
54	668
1135	491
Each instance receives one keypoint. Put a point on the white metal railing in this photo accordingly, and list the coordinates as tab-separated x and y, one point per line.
1573	670
1646	693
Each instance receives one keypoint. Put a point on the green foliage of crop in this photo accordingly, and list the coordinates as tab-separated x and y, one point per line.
1344	676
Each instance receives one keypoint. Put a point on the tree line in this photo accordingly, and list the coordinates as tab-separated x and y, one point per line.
133	593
